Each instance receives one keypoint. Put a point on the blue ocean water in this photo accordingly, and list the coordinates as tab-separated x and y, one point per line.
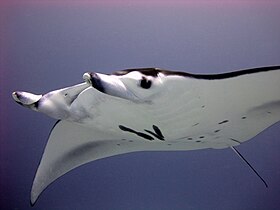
46	46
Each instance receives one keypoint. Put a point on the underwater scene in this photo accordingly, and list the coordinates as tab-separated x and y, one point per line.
50	45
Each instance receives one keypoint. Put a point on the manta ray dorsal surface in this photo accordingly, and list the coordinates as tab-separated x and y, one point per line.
151	110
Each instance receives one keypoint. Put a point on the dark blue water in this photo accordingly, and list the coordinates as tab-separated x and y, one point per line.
46	46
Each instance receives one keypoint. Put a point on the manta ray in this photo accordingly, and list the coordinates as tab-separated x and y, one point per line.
152	109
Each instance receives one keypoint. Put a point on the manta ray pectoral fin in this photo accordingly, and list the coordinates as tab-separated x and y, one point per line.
69	146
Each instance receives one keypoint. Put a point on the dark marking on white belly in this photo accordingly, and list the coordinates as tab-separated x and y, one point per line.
158	134
143	135
222	122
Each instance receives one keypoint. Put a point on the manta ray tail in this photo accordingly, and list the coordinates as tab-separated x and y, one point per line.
251	167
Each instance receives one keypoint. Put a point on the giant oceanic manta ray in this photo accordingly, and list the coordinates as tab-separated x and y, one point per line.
151	109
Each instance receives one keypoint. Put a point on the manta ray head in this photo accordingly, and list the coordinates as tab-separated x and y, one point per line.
135	85
55	104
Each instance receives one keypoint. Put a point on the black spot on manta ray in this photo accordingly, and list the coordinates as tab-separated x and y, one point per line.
155	135
143	135
243	118
222	122
235	140
145	83
216	131
158	134
158	131
195	124
123	128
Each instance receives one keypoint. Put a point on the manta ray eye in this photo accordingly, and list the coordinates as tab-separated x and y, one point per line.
144	83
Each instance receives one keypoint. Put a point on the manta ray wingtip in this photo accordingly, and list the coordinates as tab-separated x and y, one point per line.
33	198
32	204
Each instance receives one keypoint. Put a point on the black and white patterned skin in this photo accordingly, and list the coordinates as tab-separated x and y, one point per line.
151	110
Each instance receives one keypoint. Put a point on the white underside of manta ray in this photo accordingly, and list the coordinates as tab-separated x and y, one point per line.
149	110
